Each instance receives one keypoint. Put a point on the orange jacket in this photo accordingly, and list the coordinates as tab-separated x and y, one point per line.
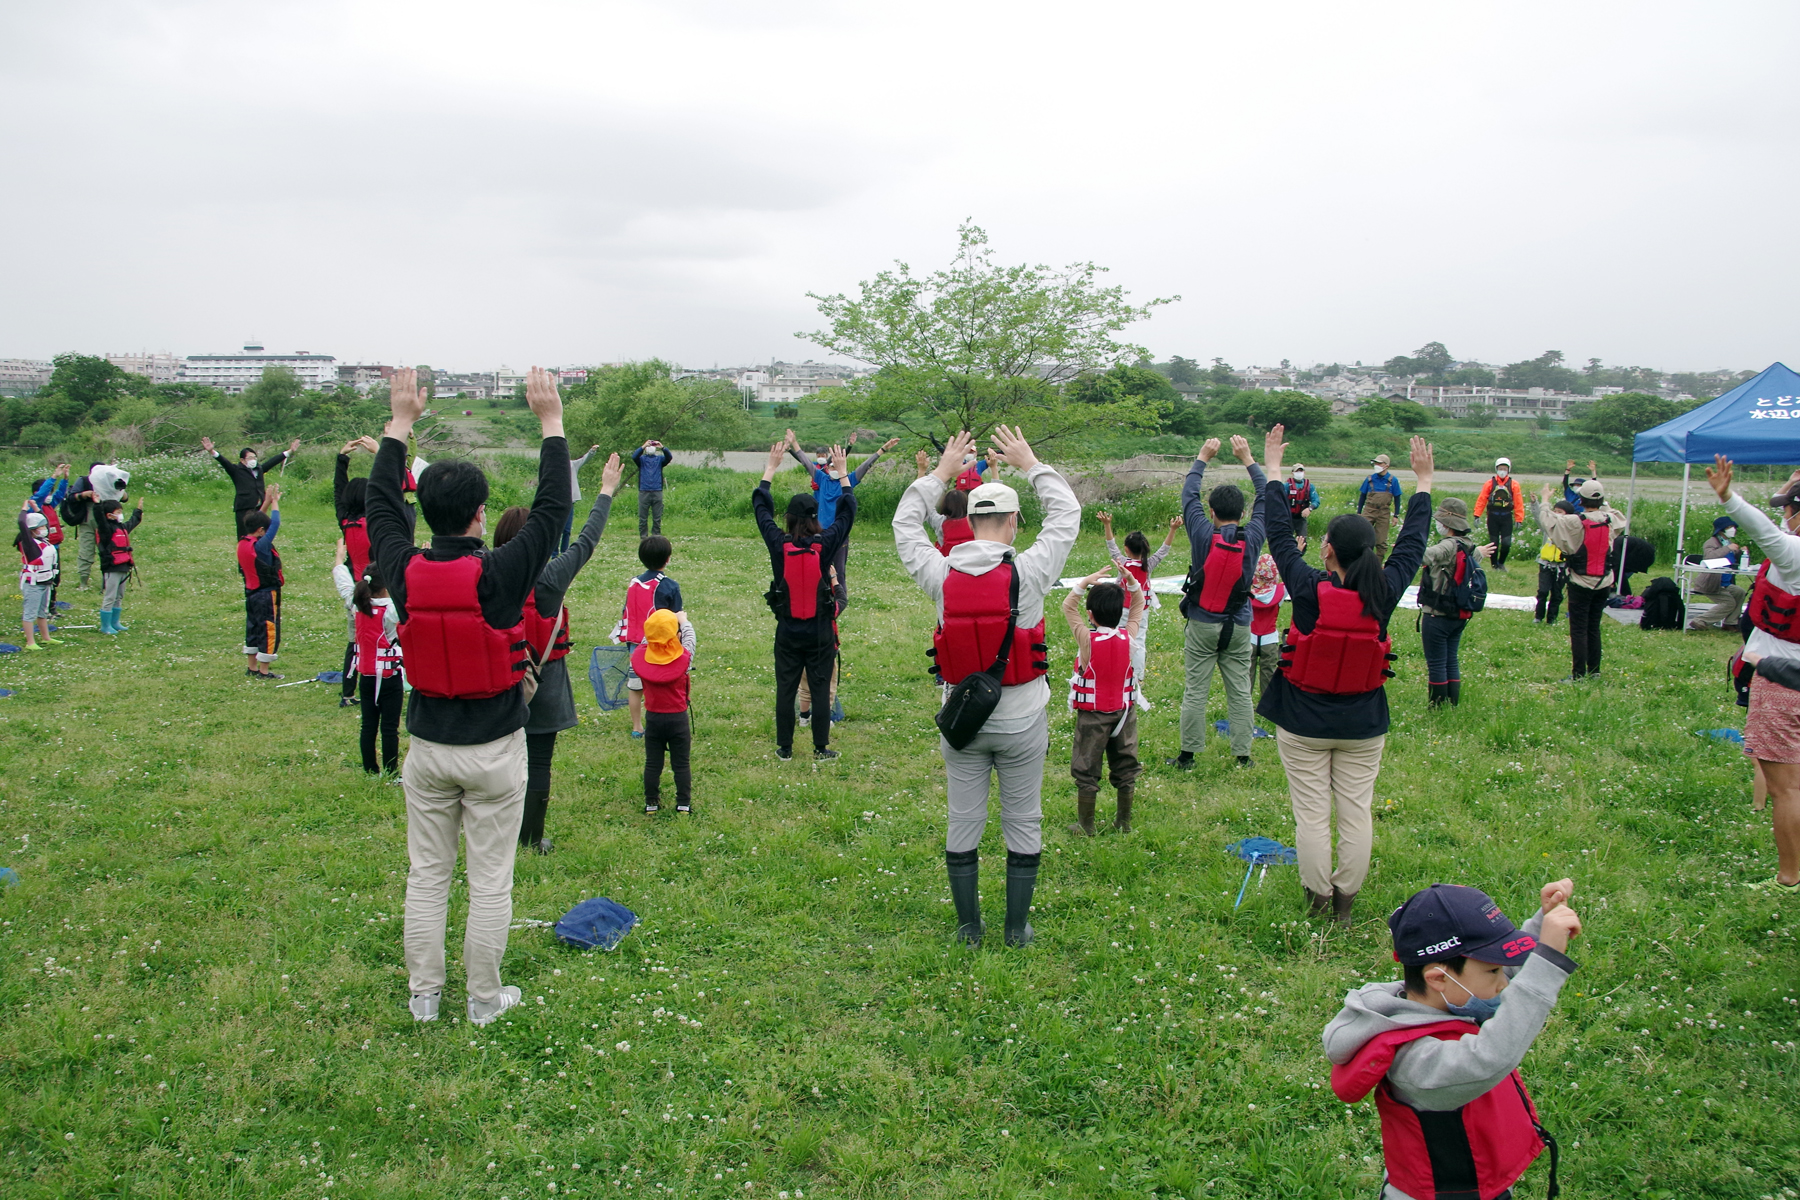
1487	489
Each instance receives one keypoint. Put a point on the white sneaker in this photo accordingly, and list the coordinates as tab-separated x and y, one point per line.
509	998
425	1008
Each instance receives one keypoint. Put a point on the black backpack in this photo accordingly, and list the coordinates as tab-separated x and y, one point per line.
1663	608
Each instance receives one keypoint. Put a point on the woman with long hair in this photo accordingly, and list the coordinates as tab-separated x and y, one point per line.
1327	700
547	629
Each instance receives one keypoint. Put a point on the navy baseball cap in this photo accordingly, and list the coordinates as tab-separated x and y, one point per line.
1447	920
802	505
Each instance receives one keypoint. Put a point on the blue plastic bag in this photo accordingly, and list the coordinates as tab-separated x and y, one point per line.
597	924
1721	735
1260	852
1256	731
607	668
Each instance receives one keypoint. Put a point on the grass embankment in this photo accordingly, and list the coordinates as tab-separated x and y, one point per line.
204	993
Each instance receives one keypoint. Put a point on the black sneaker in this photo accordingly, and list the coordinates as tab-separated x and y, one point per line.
683	807
1182	762
824	755
269	676
1243	760
806	718
651	807
784	753
544	846
346	702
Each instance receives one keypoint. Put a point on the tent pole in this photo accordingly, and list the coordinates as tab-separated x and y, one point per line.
1631	496
1681	526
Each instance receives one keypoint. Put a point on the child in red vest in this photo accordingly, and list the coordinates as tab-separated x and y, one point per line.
375	628
260	564
647	593
661	663
1101	691
1266	594
1440	1051
1137	561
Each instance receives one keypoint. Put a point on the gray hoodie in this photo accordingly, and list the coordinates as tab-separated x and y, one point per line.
1435	1075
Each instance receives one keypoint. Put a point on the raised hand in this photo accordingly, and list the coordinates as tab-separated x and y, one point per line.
1209	449
1568	466
545	400
206	444
1561	924
951	460
368	443
1241	448
293	445
1422	462
1013	449
840	463
352	444
889	444
1553	894
1105	518
1273	450
922	461
1593	471
610	474
406	402
1175	522
338	559
1719	475
272	498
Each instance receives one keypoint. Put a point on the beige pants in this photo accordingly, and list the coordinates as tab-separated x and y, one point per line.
1319	769
806	688
480	790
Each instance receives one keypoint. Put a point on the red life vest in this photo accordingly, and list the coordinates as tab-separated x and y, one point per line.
802	579
1772	610
968	480
451	651
1596	548
1107	684
537	630
356	545
976	612
1218	585
1478	1150
1263	616
665	684
1139	572
1344	655
956	532
43	570
53	523
117	545
257	574
640	602
377	655
1298	491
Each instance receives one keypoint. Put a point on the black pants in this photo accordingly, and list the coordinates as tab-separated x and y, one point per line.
1587	608
842	563
674	733
814	654
262	623
381	712
1441	638
540	748
1500	528
350	668
237	520
1550	591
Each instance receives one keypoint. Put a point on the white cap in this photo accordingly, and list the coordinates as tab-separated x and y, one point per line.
992	498
1503	462
1298	467
1590	489
35	519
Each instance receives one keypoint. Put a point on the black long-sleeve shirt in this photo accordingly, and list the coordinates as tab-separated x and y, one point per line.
103	535
507	576
1312	714
776	539
248	481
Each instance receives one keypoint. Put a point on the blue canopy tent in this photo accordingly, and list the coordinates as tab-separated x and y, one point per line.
1757	421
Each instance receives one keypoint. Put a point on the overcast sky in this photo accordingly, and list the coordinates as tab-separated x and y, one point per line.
540	182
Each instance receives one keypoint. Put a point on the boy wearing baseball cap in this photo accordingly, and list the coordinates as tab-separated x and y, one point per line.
1442	1053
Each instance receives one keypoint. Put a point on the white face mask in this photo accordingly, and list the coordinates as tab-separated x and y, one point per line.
1443	529
1501	473
1299	474
250	464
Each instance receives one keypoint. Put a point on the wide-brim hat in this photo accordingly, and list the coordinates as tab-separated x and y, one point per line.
33	520
1454	514
662	637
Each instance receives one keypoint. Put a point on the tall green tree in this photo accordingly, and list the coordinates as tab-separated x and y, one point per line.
1410	415
82	387
1545	371
1429	361
273	402
977	344
1185	372
1374	413
619	408
1300	412
1617	419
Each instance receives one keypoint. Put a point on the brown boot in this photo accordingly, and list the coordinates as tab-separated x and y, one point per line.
1122	821
1318	903
1340	906
1084	812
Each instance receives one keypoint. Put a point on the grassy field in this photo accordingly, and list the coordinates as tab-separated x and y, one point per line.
202	992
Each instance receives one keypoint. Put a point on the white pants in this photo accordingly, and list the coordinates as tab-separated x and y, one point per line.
1140	647
481	791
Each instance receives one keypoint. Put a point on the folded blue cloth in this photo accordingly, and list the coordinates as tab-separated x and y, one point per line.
597	924
1224	727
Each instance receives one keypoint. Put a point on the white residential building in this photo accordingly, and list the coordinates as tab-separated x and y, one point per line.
786	389
1505	403
232	373
363	376
159	367
506	380
22	376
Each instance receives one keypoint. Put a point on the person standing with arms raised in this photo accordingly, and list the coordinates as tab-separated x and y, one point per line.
651	458
247	477
462	632
1222	554
1327	700
1591	544
976	586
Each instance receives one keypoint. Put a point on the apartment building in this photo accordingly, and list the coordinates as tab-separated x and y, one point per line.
232	373
158	367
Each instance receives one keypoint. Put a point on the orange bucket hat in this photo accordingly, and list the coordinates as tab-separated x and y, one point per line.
662	637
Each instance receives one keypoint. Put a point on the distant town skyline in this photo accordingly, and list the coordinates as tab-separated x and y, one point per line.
560	183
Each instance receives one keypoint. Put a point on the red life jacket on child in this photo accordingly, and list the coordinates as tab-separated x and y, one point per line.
377	655
451	651
538	626
1478	1150
1107	684
1217	584
1772	610
53	525
1346	653
1138	571
968	480
44	569
1263	616
640	602
801	591
977	609
1595	554
956	532
356	545
257	574
665	684
118	547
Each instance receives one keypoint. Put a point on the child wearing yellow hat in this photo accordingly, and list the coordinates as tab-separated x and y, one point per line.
662	661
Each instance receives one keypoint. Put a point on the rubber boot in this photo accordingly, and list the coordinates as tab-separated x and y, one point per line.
1340	906
1084	813
964	867
531	826
1021	881
106	621
1453	690
1318	903
119	626
1122	819
1437	693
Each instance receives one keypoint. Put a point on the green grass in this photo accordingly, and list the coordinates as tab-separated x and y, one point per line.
202	990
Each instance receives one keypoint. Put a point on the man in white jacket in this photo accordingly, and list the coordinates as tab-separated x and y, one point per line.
1016	737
